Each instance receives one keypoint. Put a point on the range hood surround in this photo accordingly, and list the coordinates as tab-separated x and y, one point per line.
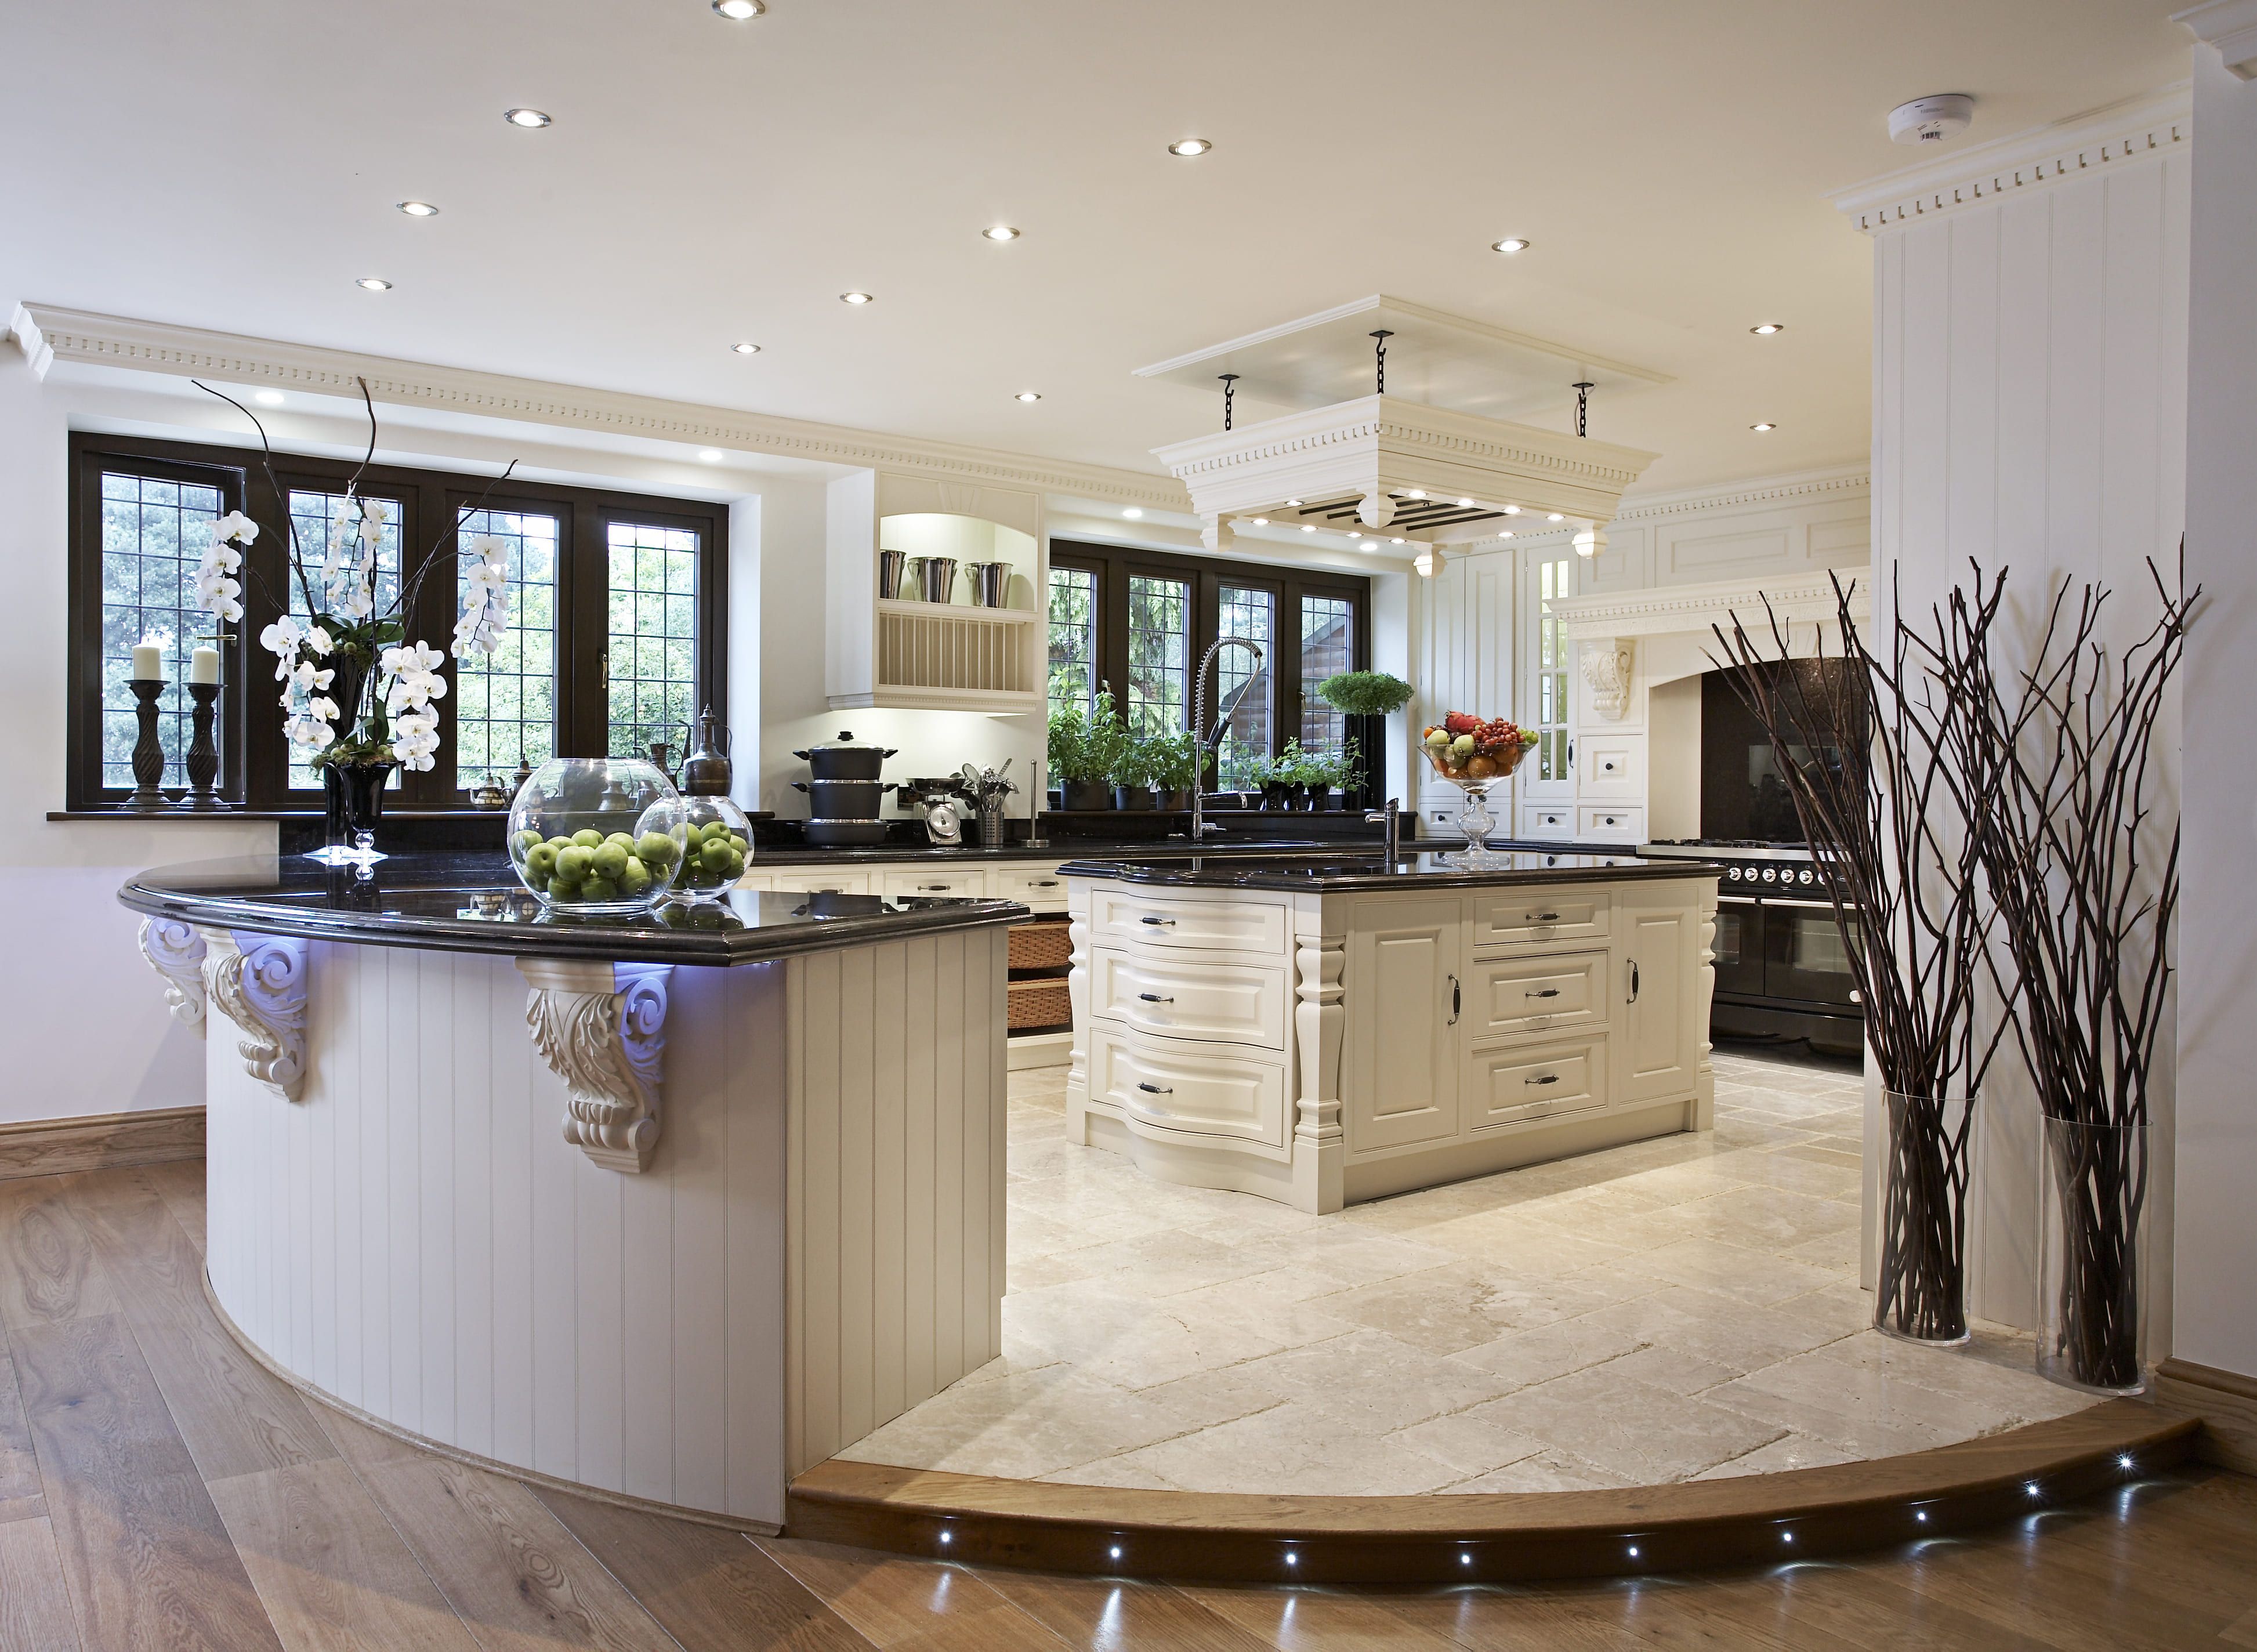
1378	450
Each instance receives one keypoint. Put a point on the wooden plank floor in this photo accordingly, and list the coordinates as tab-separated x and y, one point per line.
160	1490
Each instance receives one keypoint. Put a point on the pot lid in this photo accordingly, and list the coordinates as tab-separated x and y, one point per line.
844	742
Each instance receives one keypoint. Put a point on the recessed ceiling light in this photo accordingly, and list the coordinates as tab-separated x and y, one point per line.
1416	492
1353	534
738	10
747	349
1132	512
1294	503
1465	503
1308	528
1555	517
418	209
267	398
1262	521
1511	243
1187	147
1765	329
854	298
1507	534
374	284
525	118
1765	425
1029	395
1394	542
999	233
711	455
1512	510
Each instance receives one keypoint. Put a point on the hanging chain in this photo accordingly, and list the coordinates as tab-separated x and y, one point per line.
1383	335
1583	388
1229	388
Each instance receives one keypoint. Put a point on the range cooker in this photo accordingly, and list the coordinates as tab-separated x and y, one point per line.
1783	973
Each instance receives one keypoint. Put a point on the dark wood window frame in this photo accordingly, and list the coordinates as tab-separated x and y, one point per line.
256	772
1115	564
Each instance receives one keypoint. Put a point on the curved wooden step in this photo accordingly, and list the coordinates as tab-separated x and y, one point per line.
1100	1531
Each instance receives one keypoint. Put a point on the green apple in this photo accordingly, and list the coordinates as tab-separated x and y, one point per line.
625	840
600	889
609	860
738	844
562	888
634	877
573	864
528	838
540	859
714	852
736	867
588	837
657	848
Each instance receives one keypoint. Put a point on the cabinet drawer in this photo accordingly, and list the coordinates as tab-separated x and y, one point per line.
1533	992
1548	821
1119	917
1604	823
1189	998
1518	1086
1039	886
940	883
814	880
1539	916
1200	1089
1611	765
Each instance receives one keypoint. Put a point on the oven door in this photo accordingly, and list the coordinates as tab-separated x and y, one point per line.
1804	958
1738	946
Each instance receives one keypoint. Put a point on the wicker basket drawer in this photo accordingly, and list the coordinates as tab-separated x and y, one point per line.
1038	1004
1041	946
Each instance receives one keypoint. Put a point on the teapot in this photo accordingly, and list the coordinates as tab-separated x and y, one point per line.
706	770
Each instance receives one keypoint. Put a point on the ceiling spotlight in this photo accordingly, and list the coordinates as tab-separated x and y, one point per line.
1395	542
525	118
1308	528
1187	147
999	233
1555	517
374	284
1262	521
1507	534
855	298
711	455
1414	493
418	209
1760	428
1353	533
1295	502
1133	513
747	349
1511	243
1765	329
267	398
1465	503
1028	395
1512	510
739	10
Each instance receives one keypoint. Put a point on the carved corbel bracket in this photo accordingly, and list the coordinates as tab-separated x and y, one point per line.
602	1029
259	981
176	952
1606	670
1216	533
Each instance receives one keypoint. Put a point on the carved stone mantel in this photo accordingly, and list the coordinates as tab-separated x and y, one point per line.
1606	670
176	952
259	981
602	1029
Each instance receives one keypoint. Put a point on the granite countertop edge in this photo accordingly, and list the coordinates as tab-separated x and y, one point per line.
1358	883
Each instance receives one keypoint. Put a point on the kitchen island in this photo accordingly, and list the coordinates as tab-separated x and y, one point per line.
664	1208
1322	1029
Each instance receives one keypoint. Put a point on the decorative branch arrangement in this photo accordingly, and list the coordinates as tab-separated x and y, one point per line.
1864	748
2085	883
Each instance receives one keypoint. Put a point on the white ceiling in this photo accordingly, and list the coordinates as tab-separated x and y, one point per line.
233	164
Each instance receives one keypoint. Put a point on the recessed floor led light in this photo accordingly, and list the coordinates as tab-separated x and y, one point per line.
1114	1552
374	284
273	399
418	209
1511	243
1633	1551
711	455
1292	1559
1765	329
1188	147
1465	1560
2124	1462
854	298
1921	1516
1786	1537
1028	395
947	1537
1133	513
747	349
999	233
1765	425
739	10
525	118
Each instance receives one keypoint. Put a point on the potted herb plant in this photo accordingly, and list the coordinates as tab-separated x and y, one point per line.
1131	772
1078	760
1294	770
1332	775
1175	765
1364	694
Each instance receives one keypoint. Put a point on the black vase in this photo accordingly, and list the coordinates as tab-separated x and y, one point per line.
352	799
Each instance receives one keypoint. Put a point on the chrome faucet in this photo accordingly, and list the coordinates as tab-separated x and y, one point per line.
1391	818
1210	743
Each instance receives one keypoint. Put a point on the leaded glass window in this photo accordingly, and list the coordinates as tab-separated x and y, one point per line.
153	535
654	634
1245	687
1159	643
1327	647
505	702
1074	638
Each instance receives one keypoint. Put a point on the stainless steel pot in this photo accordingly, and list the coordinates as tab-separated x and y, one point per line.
842	799
991	583
893	574
939	576
846	758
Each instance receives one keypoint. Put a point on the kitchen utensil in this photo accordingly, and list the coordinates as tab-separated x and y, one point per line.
938	798
706	770
938	576
990	580
893	575
987	788
844	758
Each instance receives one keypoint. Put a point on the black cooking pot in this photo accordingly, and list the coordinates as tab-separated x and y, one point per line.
842	799
846	758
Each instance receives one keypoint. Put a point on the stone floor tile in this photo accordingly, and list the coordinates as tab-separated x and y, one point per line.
1745	1275
1466	1443
1642	1432
1547	1471
1789	1452
1293	1449
1546	1351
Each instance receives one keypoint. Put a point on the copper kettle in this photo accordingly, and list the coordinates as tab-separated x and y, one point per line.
706	771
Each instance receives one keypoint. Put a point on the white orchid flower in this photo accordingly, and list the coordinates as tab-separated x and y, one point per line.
318	639
323	707
237	527
283	636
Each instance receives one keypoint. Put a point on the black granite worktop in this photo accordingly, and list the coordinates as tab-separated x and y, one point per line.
473	903
1329	872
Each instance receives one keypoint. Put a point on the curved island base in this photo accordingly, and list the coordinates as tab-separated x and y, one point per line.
670	1224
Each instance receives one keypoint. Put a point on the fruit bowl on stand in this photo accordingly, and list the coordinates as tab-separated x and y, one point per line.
1472	756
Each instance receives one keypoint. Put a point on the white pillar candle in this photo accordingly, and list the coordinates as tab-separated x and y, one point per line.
148	661
203	665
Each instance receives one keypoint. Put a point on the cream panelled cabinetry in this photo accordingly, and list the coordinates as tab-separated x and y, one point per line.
1321	1048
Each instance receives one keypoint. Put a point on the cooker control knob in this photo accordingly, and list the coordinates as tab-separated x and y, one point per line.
1770	875
1806	875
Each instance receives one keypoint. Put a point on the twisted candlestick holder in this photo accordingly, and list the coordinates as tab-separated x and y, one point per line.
204	751
148	750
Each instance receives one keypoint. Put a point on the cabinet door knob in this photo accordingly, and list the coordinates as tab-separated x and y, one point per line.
1548	1078
1155	997
1154	1089
1541	992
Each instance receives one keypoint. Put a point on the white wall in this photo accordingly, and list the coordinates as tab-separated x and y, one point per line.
2217	1220
2029	407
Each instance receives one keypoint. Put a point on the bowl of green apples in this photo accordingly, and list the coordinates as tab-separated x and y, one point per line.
717	843
599	837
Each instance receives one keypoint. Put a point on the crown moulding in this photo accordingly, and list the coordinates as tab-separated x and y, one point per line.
2231	26
2048	155
48	334
1803	598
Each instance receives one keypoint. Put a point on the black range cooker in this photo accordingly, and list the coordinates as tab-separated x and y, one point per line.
1783	973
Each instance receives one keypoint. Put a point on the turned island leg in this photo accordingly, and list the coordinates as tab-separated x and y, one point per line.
1319	1019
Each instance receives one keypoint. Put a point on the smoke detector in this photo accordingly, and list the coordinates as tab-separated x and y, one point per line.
1932	119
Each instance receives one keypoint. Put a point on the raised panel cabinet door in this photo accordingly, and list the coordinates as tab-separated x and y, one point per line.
1657	967
1405	1001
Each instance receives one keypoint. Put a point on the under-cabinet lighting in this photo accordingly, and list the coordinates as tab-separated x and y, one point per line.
1114	1552
1765	329
2032	1488
2125	1461
855	298
1920	1516
947	1537
1465	1559
273	399
1763	426
373	284
747	348
1028	395
1510	245
1786	1537
999	233
418	209
739	10
1292	1559
1187	148
527	118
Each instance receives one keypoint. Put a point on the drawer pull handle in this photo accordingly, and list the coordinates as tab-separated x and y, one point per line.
1155	997
1633	980
1170	922
934	889
1542	992
1156	1089
1542	918
1548	1078
1454	1001
1042	883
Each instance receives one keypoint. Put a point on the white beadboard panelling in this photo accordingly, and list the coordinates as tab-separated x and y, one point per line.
416	1237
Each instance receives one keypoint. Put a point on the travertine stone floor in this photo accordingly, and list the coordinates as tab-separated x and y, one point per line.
1681	1309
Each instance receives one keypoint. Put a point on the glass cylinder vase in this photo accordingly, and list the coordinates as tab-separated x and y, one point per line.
1921	1293
2093	1220
352	802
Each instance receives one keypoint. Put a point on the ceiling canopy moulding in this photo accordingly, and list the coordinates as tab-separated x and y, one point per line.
2231	26
1800	599
2140	129
1776	490
48	334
